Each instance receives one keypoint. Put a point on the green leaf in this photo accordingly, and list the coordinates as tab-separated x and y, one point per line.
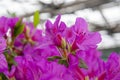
18	28
63	62
36	19
82	64
11	14
53	58
3	77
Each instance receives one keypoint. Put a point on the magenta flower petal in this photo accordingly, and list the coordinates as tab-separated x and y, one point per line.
56	23
2	44
93	38
26	68
3	25
12	22
80	26
91	41
3	65
113	66
48	25
62	27
73	60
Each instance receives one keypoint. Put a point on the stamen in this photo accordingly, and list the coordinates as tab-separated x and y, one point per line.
96	78
87	78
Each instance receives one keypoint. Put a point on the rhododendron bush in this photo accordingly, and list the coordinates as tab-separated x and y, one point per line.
59	52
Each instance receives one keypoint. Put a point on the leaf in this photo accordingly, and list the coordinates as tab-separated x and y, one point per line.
36	19
53	58
11	14
63	62
18	28
3	77
82	64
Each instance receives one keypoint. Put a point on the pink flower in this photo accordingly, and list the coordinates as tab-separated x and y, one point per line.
54	32
26	68
54	71
12	22
2	44
3	65
6	23
113	67
83	38
3	25
61	53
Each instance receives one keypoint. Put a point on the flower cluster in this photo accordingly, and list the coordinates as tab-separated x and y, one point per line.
57	53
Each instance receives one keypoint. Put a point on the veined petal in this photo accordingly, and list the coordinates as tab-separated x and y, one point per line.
2	44
62	26
3	65
80	25
49	26
56	23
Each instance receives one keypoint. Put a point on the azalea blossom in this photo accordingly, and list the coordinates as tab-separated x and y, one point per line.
3	44
57	53
3	65
3	25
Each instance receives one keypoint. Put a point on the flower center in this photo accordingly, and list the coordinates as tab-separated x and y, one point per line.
87	78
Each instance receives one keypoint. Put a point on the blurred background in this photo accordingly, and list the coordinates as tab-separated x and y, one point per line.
102	16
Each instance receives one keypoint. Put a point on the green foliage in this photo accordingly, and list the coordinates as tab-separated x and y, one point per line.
82	64
18	28
11	14
3	77
54	58
63	62
36	18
